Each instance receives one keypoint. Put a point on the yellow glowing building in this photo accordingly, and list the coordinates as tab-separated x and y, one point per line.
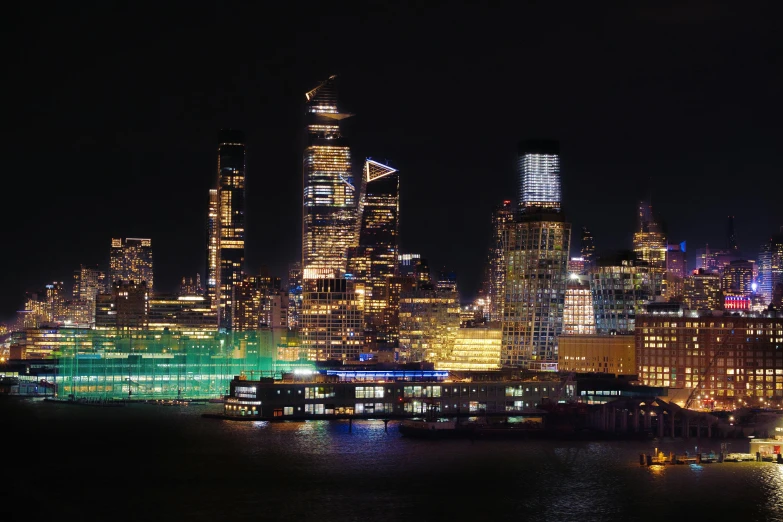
650	245
578	314
474	349
429	320
603	353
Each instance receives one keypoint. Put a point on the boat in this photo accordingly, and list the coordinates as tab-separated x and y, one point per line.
439	428
739	457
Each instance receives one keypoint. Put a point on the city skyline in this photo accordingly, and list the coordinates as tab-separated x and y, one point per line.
442	177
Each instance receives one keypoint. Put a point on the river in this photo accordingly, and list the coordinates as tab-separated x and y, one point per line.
145	462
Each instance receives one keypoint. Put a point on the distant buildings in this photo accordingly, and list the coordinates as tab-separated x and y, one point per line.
771	266
213	237
587	250
703	291
676	270
130	260
88	282
231	223
501	216
649	245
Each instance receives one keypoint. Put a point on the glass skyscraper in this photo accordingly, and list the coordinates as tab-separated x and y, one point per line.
539	173
329	214
212	249
373	263
649	244
231	222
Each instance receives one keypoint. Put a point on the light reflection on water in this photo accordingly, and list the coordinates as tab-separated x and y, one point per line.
206	469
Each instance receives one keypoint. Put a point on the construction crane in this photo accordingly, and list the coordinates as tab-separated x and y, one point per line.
703	376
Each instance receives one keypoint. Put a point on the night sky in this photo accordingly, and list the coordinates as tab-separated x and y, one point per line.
111	115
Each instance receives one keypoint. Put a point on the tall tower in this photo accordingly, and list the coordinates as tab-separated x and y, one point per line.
539	174
536	248
731	236
131	260
329	213
231	221
212	249
649	244
502	215
587	247
373	263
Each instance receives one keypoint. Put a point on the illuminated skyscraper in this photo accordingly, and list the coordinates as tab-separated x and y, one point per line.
429	321
731	236
212	249
231	221
88	282
676	270
539	173
771	266
737	278
578	315
131	261
502	215
331	326
535	250
374	262
702	291
294	294
329	213
621	288
587	250
649	244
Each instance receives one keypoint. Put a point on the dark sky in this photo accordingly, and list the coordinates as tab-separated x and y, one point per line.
111	114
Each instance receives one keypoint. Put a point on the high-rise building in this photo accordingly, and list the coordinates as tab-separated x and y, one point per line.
771	266
737	278
213	236
231	221
331	325
621	287
125	308
329	210
294	293
702	291
258	303
429	320
535	249
502	215
587	250
131	261
374	262
88	282
474	349
731	236
191	286
649	244
676	270
578	314
539	174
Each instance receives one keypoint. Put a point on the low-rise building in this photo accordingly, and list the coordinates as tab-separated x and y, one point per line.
601	353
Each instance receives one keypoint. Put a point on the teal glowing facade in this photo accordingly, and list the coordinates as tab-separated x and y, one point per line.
152	365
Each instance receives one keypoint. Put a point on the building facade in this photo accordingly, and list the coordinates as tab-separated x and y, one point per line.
474	349
501	216
331	323
429	320
602	353
578	314
231	222
621	288
539	174
725	358
703	291
536	252
131	261
213	237
650	246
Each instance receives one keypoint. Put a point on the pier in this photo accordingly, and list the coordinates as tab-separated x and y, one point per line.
651	415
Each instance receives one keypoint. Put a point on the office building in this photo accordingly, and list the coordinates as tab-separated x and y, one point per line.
259	304
213	236
621	287
190	314
231	222
294	294
374	262
502	215
578	314
676	270
88	282
331	324
329	209
731	236
535	249
587	250
429	320
703	291
598	353
474	349
737	279
131	261
649	245
771	266
726	359
539	174
125	308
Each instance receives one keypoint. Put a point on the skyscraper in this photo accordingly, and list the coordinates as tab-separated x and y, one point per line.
587	250
212	248
649	244
502	215
536	248
131	261
329	210
331	321
731	236
771	266
676	269
88	282
374	262
539	174
621	286
231	221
